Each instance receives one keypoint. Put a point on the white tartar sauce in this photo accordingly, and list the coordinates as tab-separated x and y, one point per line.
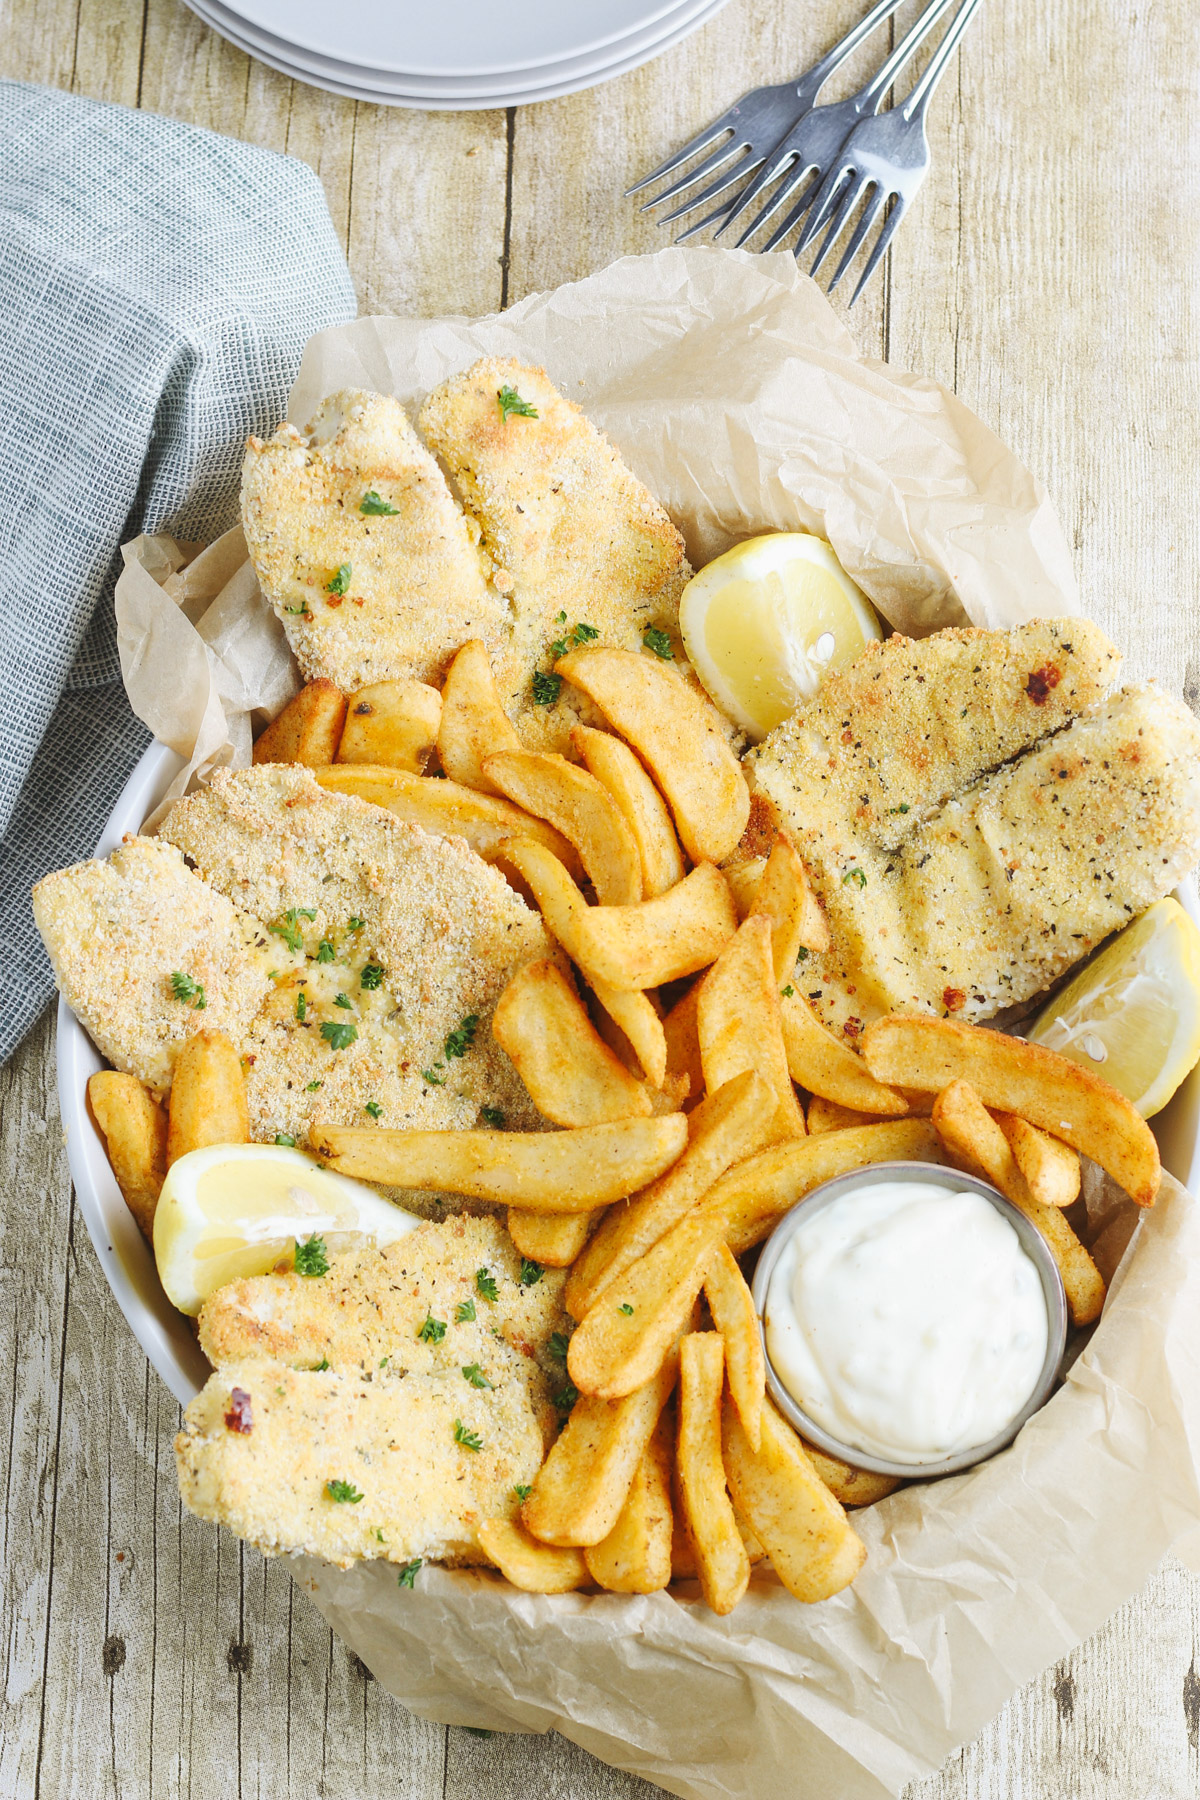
907	1320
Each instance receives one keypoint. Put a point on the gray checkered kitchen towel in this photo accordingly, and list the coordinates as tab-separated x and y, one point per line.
157	287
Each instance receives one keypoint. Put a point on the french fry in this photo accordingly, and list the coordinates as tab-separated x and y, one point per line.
134	1127
552	1239
683	1045
447	810
581	1487
642	806
824	1065
659	940
638	1027
1051	1168
474	724
208	1096
623	1337
391	724
536	1568
544	1171
732	1308
785	898
738	1022
976	1143
744	879
753	1197
635	1557
812	1546
728	1127
848	1485
582	809
678	736
1013	1076
683	1554
721	1561
572	1076
827	1115
308	730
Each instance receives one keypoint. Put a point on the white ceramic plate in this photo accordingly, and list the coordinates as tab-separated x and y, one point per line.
359	85
124	1254
492	88
454	37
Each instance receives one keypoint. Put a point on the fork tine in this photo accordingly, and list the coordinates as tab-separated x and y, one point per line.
732	174
854	193
881	244
793	179
693	230
700	142
793	219
794	216
772	166
732	147
870	213
823	204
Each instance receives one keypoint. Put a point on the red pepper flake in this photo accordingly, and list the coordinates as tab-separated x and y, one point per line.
852	1027
1042	682
238	1417
953	999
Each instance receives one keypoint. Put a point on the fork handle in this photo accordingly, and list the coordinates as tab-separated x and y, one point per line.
879	83
810	83
921	95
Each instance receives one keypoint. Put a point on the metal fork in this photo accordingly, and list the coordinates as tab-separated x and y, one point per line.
888	155
813	143
755	123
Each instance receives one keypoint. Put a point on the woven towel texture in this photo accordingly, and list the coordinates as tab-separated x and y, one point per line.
157	286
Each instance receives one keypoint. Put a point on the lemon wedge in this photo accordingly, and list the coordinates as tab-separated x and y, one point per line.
238	1209
1132	1014
765	623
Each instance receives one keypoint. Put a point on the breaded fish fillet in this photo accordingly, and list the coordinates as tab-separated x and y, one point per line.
965	855
574	534
117	931
414	586
371	1307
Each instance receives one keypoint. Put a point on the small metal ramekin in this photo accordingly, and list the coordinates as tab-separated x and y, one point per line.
1032	1243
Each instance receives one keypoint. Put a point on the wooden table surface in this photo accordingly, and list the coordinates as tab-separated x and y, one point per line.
1048	274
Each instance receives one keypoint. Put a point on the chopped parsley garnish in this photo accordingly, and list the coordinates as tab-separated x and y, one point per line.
375	506
469	1440
531	1272
584	634
345	1001
546	688
311	1258
522	1490
354	923
374	1108
313	1086
289	928
337	1035
561	619
344	1492
372	975
432	1076
464	1312
384	1361
302	610
494	1117
659	642
323	1364
788	991
802	953
301	1006
626	1309
485	1285
511	402
325	951
433	1330
379	1536
184	988
408	1572
558	1345
285	1138
339	583
902	808
566	1397
463	1036
857	876
475	1375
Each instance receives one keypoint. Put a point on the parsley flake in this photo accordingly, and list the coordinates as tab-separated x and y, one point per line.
432	1331
659	642
464	1312
323	1364
493	1116
485	1285
566	1397
802	953
375	506
337	1035
857	876
374	1108
354	923
325	951
339	583
561	619
302	610
531	1272
546	688
408	1572
310	1257
522	1490
475	1375
184	988
788	991
469	1440
626	1309
463	1036
345	1001
902	808
558	1345
285	1138
432	1077
586	634
313	1086
344	1492
301	1006
512	403
289	928
372	975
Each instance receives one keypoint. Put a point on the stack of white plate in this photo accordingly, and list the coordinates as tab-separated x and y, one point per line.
468	55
